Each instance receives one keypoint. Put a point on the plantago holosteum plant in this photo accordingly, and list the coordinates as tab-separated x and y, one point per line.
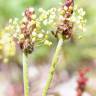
28	37
63	31
26	44
34	29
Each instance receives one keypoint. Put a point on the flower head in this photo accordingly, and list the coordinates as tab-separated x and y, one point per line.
65	27
28	25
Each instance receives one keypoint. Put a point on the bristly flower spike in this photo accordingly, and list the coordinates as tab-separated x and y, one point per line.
27	27
66	25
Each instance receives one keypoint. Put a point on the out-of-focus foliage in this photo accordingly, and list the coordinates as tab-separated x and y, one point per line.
10	7
16	7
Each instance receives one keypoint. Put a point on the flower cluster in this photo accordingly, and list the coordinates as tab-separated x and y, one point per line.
69	15
35	27
78	18
82	81
65	27
7	42
7	46
28	25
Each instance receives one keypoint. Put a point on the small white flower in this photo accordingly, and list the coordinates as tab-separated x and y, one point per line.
15	35
61	17
10	20
45	22
31	9
34	16
34	33
43	31
24	19
17	30
40	35
52	16
81	12
47	43
50	22
73	19
80	17
65	8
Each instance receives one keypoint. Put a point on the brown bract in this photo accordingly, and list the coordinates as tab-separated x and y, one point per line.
65	27
27	27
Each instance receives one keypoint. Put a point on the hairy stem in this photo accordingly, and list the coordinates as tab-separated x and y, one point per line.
25	75
53	66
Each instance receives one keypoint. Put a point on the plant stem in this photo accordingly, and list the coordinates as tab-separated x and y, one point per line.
25	75
53	66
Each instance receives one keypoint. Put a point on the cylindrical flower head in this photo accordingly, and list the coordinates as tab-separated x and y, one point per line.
28	25
65	27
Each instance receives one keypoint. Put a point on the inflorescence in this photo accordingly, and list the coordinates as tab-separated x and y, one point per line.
35	27
28	26
66	25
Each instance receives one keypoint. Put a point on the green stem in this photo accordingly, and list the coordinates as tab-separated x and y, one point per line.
53	66
25	75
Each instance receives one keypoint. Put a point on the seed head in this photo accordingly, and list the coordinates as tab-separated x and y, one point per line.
28	26
65	27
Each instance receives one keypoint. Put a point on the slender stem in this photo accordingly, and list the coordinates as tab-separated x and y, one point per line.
53	66
25	75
